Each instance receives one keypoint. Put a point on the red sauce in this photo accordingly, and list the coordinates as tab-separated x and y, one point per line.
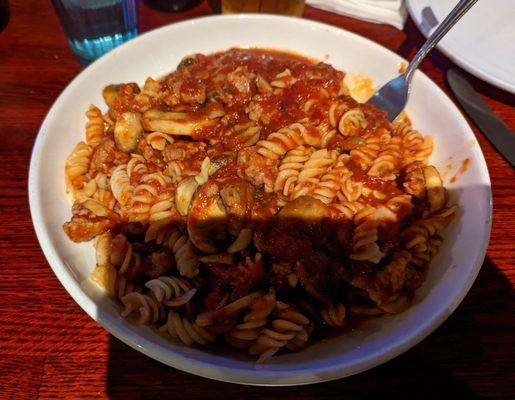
463	168
314	79
464	165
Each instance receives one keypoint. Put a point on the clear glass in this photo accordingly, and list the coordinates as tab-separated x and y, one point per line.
284	7
95	27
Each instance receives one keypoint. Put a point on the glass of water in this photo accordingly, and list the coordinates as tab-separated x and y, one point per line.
95	27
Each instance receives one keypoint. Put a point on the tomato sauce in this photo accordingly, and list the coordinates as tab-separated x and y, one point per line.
315	81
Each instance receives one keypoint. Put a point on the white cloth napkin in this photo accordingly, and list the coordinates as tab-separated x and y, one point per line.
391	12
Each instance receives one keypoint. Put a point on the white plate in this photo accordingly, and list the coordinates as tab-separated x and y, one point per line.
374	342
482	42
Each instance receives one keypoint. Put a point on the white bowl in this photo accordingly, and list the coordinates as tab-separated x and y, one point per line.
372	343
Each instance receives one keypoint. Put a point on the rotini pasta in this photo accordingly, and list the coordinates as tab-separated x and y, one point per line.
185	253
311	172
77	167
95	126
417	235
248	331
249	198
171	291
186	331
278	143
351	122
143	307
120	186
332	181
365	236
287	328
290	168
333	315
124	257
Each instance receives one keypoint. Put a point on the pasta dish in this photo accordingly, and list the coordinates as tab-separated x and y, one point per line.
251	198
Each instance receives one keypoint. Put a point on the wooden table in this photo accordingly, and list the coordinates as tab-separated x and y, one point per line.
50	348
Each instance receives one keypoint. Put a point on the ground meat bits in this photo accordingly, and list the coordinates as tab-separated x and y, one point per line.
85	225
106	156
256	169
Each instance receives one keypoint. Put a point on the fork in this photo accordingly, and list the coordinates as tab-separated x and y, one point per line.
393	96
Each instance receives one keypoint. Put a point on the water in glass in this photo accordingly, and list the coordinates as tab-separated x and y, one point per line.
94	27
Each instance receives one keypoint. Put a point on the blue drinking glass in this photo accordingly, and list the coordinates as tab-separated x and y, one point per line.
94	27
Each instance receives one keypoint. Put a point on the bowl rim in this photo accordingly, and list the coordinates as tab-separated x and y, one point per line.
259	377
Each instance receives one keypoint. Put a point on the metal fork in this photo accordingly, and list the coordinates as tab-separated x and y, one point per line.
393	96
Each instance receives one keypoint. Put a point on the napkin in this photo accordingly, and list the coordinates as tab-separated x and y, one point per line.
391	12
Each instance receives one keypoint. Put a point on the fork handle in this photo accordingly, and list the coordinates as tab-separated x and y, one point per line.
461	8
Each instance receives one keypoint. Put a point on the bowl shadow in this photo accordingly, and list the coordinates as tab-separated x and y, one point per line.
458	360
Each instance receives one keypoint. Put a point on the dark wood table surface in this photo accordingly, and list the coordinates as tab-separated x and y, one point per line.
50	348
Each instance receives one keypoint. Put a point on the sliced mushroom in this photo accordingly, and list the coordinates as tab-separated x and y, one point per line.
127	131
238	199
110	93
221	161
184	194
207	219
105	277
398	305
241	242
306	216
186	62
306	209
213	110
436	193
174	123
309	282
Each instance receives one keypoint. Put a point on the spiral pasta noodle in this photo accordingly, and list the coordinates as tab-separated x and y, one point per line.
77	166
120	186
347	208
186	331
416	236
278	143
141	202
312	170
336	110
351	121
143	307
365	247
288	327
331	182
387	159
95	126
137	165
248	331
186	258
290	168
159	140
333	315
171	291
124	256
365	155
